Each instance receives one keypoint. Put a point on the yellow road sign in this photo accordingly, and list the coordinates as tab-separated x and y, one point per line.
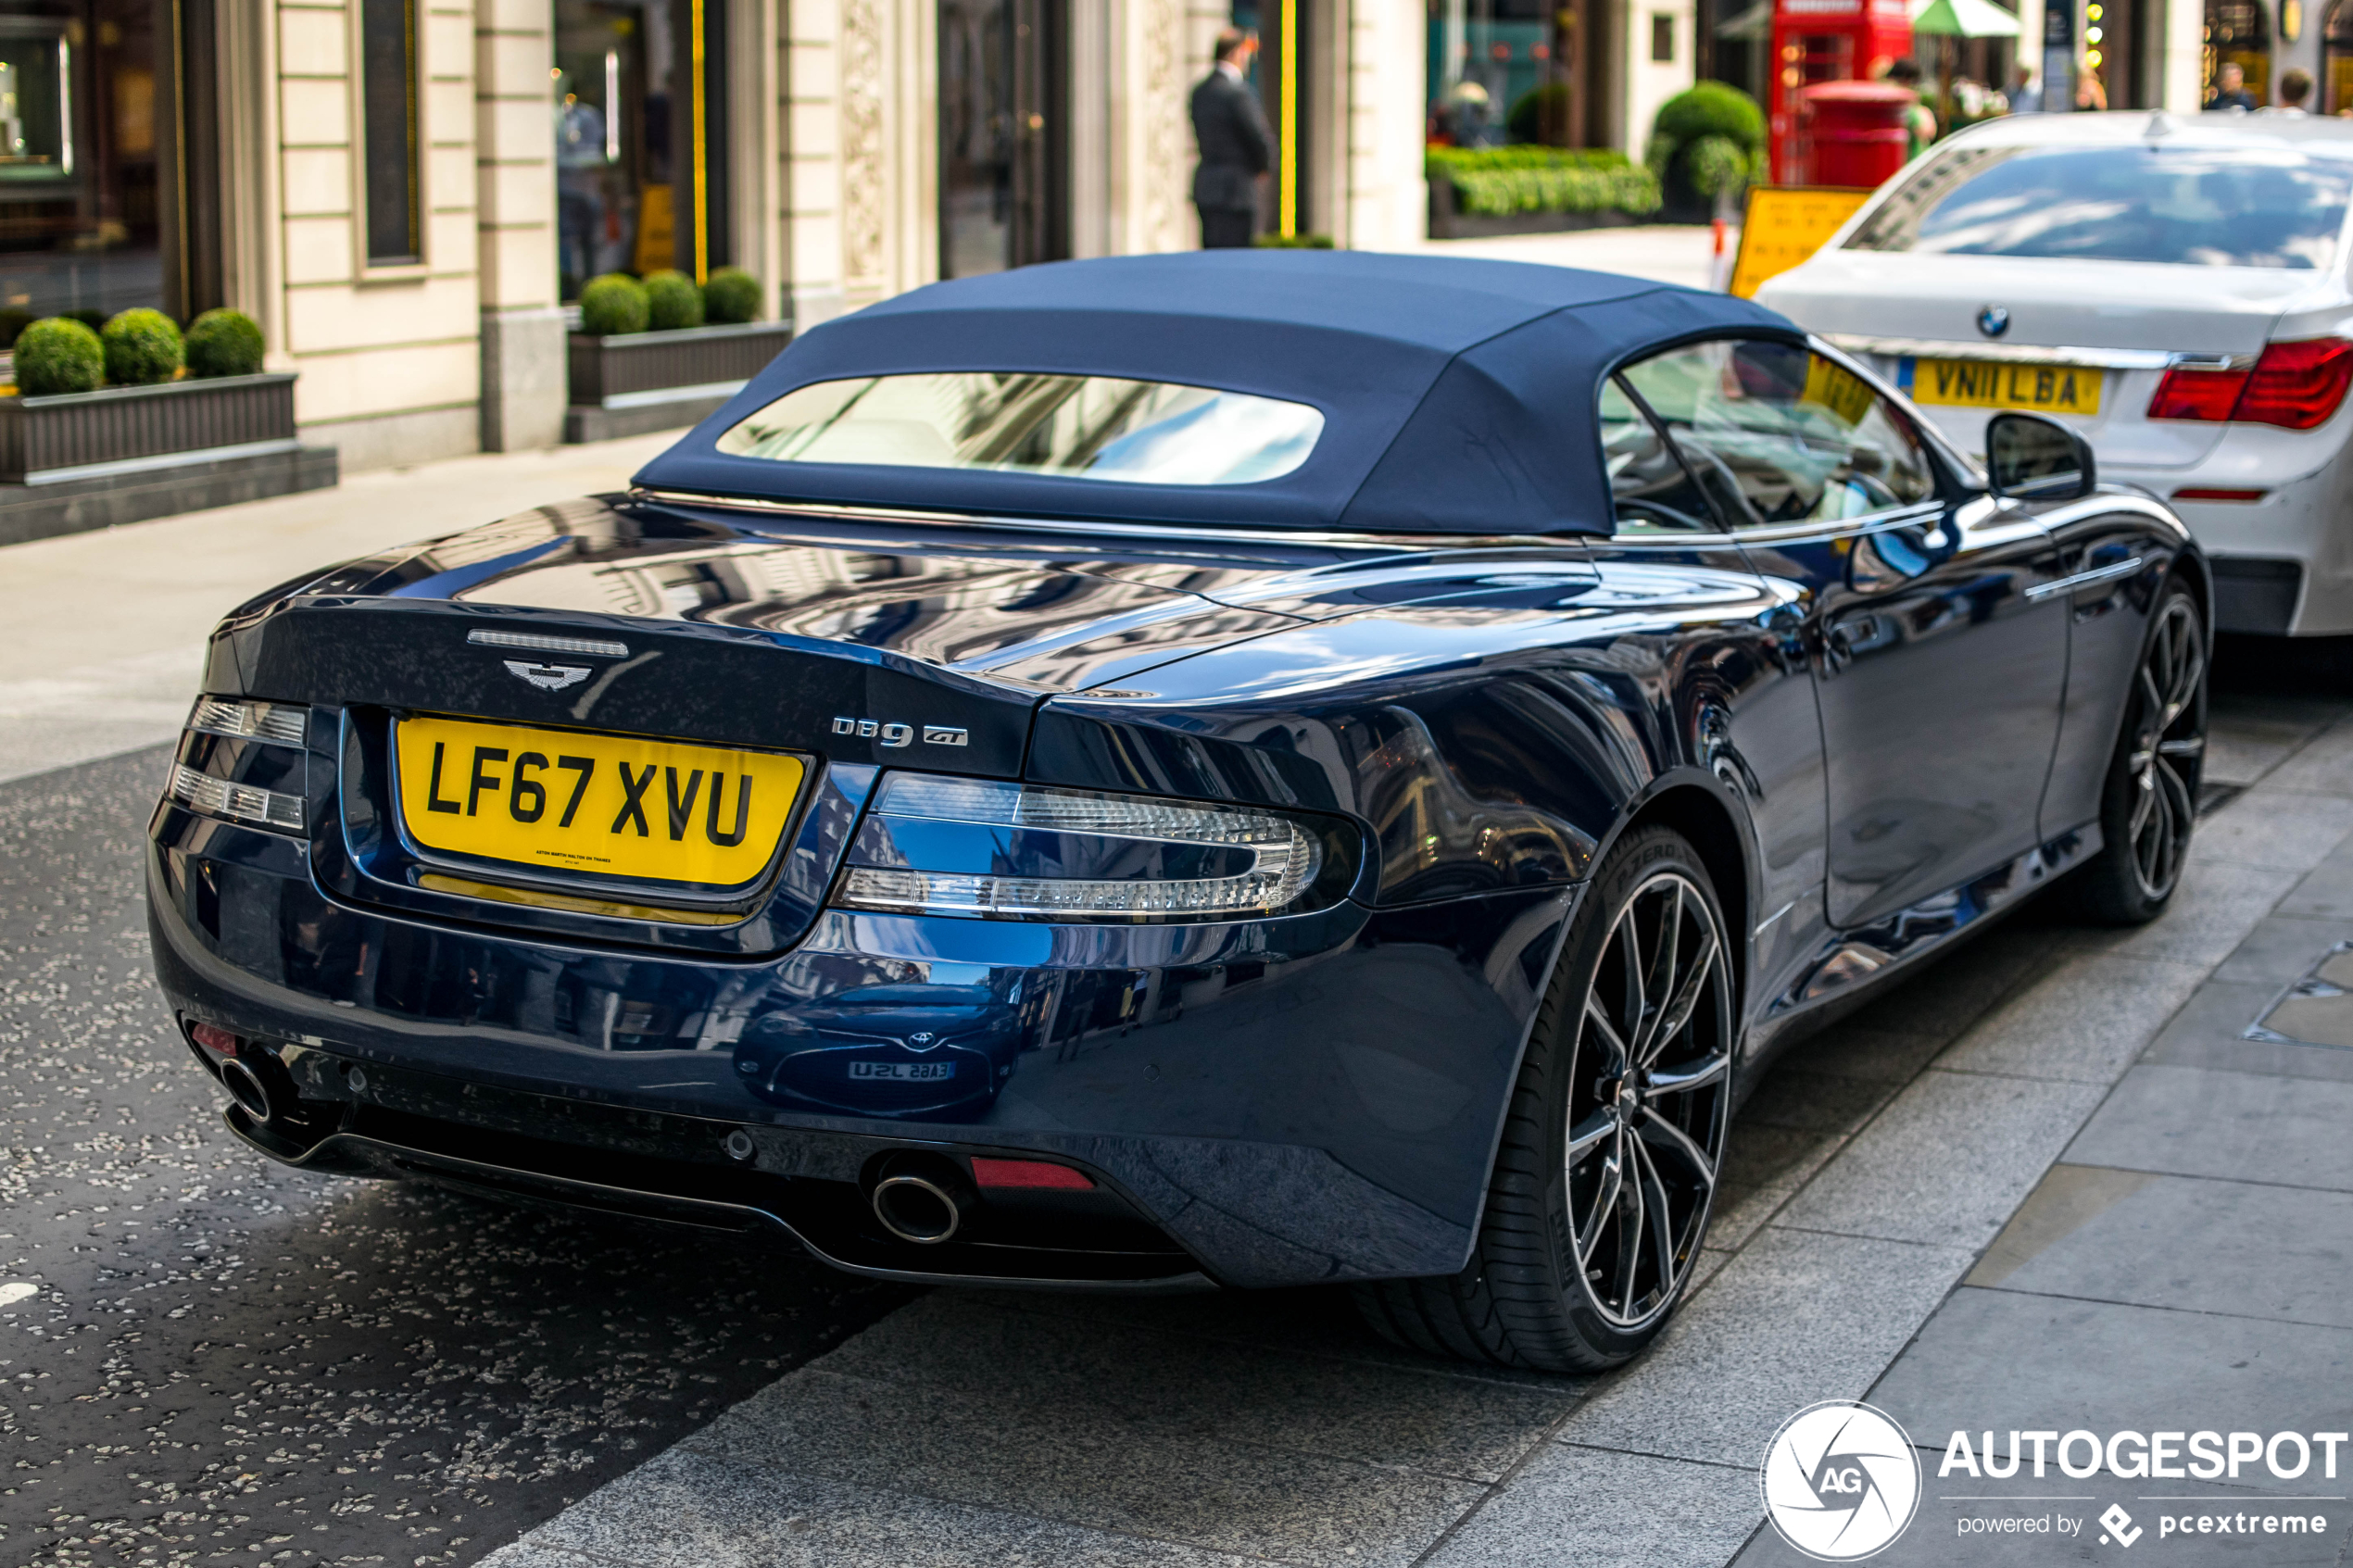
1786	224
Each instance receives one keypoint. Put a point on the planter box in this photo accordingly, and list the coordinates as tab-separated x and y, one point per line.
639	382
1447	223
119	430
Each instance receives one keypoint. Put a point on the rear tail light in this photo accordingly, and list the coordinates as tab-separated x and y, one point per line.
249	764
2197	394
1033	1174
976	846
2295	385
2298	385
241	803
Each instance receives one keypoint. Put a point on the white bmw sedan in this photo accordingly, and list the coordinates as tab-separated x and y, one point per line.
2175	287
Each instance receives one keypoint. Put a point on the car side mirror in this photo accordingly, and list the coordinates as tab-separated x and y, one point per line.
2034	459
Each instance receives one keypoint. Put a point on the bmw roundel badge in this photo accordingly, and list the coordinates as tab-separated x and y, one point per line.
1993	321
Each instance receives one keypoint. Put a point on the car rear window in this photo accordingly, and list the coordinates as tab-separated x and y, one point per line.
1080	427
2190	206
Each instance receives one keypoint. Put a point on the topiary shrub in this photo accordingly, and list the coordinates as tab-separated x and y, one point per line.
1541	116
143	348
1708	139
225	342
730	296
673	301
614	305
56	355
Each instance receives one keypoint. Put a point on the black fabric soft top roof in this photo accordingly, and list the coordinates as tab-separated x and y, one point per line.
1457	395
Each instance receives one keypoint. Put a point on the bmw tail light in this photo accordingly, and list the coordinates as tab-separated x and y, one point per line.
2197	394
980	847
2295	385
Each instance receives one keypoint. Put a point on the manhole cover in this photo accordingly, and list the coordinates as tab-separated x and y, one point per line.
2317	1009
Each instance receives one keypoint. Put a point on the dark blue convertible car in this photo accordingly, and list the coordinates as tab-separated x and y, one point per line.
1239	770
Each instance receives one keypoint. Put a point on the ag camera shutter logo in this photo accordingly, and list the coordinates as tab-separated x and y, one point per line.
1841	1481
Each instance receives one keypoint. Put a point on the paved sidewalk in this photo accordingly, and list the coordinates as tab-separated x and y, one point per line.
1867	1178
105	630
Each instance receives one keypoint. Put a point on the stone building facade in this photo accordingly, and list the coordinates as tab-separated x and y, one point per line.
406	194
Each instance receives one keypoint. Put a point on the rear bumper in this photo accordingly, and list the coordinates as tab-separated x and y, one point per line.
2282	564
1283	1101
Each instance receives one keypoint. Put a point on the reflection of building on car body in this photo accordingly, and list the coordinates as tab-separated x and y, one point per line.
2173	286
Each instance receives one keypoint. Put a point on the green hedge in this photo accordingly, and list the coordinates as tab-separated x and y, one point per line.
1500	182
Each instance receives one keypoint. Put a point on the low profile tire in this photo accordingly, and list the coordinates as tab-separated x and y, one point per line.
2148	806
1607	1171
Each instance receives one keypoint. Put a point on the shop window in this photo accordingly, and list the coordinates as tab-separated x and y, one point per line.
640	138
1003	135
393	209
2238	32
79	131
1662	39
2336	59
1551	61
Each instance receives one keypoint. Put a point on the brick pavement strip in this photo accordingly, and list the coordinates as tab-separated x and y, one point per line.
1863	1185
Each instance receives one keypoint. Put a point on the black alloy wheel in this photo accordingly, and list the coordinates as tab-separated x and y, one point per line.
2149	806
1647	1107
1606	1173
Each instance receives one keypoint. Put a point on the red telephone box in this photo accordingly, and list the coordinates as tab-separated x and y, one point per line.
1825	41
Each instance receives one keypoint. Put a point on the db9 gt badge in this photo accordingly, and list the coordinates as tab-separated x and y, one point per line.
1841	1481
902	735
547	677
1993	321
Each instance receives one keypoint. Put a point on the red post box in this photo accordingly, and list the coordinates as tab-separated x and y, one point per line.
1817	41
1853	133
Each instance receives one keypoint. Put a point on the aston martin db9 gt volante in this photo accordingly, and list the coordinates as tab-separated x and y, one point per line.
1248	769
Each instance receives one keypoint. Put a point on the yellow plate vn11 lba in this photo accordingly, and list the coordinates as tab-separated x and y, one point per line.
1979	383
602	805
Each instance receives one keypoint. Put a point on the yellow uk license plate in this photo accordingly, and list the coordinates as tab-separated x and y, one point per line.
1977	384
605	805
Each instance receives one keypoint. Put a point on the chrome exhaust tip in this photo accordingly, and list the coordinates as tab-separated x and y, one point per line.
920	1209
244	1087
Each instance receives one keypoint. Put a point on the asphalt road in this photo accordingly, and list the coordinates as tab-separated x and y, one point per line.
224	1360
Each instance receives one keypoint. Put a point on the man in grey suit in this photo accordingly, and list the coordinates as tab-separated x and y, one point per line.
1236	146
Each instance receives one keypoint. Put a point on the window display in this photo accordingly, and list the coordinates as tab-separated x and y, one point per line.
79	130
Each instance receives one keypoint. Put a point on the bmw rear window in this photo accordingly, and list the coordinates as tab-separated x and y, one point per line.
2189	206
1078	427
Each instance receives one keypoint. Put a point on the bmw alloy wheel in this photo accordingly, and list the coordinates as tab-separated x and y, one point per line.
1648	1104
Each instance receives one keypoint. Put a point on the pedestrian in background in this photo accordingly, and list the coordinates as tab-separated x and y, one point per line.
1919	120
1236	146
2296	88
2024	97
2230	92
